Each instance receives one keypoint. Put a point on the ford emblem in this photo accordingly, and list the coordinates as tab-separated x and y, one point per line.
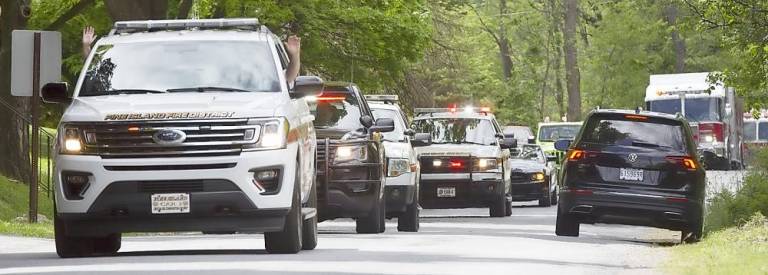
169	137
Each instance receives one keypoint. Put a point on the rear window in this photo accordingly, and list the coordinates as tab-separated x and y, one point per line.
750	131
635	131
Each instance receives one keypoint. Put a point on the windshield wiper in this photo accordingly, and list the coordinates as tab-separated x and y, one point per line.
135	91
207	89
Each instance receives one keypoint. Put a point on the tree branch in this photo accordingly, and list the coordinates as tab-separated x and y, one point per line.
69	14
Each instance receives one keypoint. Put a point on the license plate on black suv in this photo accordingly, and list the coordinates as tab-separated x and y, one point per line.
629	174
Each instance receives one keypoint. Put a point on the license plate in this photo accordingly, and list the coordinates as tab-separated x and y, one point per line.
446	192
170	203
630	174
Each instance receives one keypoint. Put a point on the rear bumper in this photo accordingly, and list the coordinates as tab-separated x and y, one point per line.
476	191
529	191
672	212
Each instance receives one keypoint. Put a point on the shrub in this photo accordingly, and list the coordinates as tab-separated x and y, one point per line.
727	209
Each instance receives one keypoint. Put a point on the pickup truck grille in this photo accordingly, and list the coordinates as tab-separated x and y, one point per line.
136	139
517	177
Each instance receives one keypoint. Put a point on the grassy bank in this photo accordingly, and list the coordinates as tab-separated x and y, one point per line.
14	204
736	250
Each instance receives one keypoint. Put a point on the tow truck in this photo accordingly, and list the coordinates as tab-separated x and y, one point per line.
712	109
467	163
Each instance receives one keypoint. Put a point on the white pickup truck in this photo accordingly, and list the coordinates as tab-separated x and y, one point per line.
185	125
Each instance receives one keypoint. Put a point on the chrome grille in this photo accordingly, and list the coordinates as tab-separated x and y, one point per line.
517	177
135	139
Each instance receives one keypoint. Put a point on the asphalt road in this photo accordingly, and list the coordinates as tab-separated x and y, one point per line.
450	242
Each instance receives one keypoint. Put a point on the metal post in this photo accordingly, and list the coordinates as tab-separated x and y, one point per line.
35	110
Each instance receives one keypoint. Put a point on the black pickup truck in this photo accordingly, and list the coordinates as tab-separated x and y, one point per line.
350	157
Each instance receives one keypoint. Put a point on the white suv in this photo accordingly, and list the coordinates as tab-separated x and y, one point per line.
185	125
402	188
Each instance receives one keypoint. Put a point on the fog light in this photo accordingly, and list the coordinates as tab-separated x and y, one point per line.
395	193
77	179
74	184
266	175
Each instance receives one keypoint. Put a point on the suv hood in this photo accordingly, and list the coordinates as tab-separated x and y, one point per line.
484	151
526	166
96	108
397	149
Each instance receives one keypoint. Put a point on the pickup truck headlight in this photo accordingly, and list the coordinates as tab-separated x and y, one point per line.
486	165
270	134
348	153
538	177
397	167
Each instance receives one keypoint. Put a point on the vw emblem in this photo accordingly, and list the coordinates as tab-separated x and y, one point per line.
169	137
632	157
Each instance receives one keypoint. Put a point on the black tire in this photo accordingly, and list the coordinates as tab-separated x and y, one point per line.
409	221
498	208
309	228
566	224
546	201
70	247
375	221
508	208
288	241
693	234
553	197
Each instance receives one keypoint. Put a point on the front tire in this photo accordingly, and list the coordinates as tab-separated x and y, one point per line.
288	241
375	221
566	224
498	208
309	228
409	221
70	247
693	233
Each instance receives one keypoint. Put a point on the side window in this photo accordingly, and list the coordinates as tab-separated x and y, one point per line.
282	54
496	126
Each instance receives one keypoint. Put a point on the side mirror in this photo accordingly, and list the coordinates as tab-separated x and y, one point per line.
531	140
508	143
552	158
307	86
409	132
383	125
499	135
562	145
421	139
366	121
55	93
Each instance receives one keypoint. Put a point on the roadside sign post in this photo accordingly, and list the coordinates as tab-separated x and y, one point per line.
35	60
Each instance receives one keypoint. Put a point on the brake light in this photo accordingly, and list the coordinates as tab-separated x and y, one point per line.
636	117
687	162
456	164
575	154
715	129
452	108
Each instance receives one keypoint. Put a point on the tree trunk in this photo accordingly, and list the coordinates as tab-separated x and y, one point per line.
184	7
504	51
572	75
121	10
14	157
556	27
670	14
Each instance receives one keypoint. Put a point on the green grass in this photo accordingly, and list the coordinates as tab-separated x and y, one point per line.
14	203
736	250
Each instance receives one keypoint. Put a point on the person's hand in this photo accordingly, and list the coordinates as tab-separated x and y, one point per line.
293	45
89	35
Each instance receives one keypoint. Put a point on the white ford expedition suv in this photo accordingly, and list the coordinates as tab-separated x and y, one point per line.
185	125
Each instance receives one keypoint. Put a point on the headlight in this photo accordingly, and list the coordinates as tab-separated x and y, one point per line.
71	140
708	138
538	177
347	153
397	167
268	134
486	165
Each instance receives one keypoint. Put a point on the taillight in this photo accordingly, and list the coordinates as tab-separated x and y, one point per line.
711	131
685	161
576	154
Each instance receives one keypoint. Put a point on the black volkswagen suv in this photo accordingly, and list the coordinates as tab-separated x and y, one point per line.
635	168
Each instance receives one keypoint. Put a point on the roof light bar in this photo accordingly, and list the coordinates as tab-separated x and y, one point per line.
156	25
452	109
384	98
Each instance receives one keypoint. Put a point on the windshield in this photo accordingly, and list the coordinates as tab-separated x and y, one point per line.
520	133
696	109
762	131
399	133
750	130
457	130
618	131
557	132
339	111
159	66
527	152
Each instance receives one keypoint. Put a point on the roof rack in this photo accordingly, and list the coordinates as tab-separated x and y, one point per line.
388	99
121	27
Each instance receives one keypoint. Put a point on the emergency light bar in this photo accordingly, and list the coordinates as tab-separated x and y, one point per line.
158	25
482	110
383	98
683	92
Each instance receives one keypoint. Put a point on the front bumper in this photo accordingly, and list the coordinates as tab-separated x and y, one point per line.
673	212
400	192
348	190
106	172
472	190
529	191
